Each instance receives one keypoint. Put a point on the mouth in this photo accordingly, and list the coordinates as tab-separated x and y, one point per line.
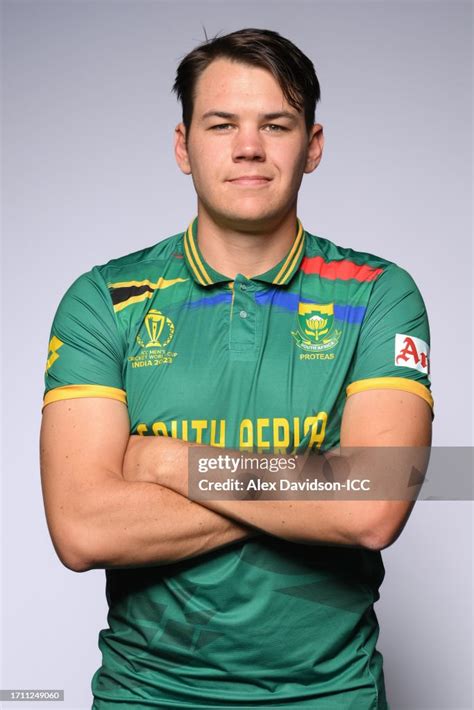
250	181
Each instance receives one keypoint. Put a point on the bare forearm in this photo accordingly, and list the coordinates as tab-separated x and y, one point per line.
356	523
137	524
324	522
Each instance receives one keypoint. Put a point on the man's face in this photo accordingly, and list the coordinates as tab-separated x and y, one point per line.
252	139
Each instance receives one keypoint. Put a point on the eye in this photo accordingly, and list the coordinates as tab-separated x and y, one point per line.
277	126
219	126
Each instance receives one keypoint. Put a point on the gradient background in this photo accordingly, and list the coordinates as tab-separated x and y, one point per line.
89	174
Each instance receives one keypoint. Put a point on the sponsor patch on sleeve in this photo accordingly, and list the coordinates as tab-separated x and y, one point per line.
412	352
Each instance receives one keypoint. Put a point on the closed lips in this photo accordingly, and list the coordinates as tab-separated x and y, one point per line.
250	178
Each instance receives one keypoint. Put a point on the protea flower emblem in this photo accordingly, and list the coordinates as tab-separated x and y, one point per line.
316	327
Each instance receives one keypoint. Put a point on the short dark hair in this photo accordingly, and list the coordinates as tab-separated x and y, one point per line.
261	48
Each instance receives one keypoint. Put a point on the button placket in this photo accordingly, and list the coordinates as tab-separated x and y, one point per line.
243	323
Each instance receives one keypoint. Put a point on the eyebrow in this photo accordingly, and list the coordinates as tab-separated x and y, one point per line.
266	116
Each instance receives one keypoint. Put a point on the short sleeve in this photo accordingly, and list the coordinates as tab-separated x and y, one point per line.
393	348
85	353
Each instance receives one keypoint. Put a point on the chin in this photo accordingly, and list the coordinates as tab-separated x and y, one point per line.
252	213
244	213
249	221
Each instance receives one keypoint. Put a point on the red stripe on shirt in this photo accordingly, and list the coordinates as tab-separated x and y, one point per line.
343	269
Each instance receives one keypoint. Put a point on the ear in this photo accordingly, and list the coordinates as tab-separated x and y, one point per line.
180	149
315	148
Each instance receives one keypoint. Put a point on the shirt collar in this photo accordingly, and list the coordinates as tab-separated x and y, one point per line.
205	275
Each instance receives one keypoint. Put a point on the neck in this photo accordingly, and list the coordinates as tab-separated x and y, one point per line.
249	249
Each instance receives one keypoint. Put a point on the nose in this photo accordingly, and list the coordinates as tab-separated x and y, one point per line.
248	144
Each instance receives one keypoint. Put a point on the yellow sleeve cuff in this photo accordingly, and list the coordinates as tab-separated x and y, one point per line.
394	383
73	391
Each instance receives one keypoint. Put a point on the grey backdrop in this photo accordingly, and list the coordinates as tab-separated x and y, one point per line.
89	174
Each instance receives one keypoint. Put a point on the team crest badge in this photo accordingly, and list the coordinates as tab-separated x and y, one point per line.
316	327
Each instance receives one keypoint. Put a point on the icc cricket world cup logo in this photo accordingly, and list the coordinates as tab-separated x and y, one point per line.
316	327
159	328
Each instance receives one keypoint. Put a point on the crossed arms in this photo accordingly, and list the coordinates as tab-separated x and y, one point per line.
115	500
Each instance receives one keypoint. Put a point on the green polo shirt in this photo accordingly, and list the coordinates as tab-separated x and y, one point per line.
257	363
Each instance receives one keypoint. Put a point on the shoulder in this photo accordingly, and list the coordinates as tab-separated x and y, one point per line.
143	264
143	260
334	261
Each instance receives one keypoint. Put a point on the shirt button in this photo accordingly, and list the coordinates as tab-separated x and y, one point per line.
243	314
243	287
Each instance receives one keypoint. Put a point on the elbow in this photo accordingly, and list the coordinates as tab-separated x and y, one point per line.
71	560
72	554
75	564
379	537
387	525
376	542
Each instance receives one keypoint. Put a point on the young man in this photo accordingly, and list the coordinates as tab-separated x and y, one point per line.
242	332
